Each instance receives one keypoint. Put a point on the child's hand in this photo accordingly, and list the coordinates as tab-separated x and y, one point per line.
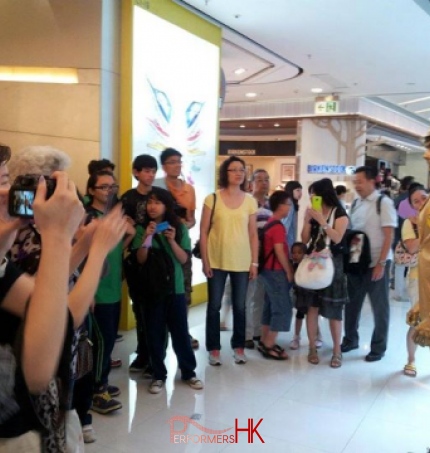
170	234
150	229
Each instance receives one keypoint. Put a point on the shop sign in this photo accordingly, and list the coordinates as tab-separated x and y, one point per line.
331	169
241	152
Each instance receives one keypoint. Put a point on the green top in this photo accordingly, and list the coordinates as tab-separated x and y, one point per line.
185	244
109	290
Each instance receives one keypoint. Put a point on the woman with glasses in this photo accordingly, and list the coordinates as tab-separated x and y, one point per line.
229	247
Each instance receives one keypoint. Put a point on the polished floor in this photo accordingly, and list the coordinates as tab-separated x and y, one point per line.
359	408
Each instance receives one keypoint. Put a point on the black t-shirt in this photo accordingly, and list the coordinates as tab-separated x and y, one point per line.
9	326
317	241
134	204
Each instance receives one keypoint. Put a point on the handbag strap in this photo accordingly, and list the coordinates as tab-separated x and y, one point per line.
330	223
212	213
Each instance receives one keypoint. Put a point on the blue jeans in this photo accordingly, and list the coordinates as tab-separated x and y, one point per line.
278	309
170	313
107	317
239	285
378	291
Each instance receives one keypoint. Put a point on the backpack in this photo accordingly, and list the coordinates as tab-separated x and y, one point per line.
262	259
152	280
357	257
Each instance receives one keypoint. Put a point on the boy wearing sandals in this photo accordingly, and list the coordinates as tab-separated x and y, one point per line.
276	275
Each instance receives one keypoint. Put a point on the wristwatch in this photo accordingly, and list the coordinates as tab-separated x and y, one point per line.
382	263
254	264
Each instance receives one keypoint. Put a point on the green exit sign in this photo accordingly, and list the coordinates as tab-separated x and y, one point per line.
324	107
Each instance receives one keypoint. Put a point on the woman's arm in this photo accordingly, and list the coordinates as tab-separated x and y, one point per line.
204	231
109	232
45	324
180	254
412	244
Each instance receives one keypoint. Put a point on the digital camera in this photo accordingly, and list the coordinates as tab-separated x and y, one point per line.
22	193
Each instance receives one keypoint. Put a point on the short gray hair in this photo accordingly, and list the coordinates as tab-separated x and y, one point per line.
41	160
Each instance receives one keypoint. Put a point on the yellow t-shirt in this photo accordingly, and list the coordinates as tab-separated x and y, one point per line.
229	247
409	233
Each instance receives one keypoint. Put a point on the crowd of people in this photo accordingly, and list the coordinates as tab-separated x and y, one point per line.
61	276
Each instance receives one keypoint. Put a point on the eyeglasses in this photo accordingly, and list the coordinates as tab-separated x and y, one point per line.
173	162
237	170
107	187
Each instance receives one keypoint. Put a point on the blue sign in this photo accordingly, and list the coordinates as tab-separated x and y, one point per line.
331	169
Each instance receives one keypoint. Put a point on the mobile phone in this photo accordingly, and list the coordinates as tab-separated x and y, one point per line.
316	202
163	226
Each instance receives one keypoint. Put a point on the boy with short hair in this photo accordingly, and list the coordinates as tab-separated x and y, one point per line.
276	274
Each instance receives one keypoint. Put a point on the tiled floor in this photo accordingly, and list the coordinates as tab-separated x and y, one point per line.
359	408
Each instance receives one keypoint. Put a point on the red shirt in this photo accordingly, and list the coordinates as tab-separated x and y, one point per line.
276	234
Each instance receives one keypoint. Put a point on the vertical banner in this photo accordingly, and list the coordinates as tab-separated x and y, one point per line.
175	101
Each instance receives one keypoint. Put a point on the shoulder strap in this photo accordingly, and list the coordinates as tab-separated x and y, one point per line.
212	212
330	223
378	204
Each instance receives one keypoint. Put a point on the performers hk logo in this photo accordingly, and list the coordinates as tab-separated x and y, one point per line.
212	436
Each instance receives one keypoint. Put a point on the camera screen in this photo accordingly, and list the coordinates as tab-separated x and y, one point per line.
23	202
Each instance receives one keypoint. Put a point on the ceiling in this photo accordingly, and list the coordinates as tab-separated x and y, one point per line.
352	48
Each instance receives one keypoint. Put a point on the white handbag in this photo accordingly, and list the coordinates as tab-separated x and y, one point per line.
316	270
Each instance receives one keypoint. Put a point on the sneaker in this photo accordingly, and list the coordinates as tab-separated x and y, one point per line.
239	356
295	343
89	434
104	404
156	386
113	390
137	365
119	338
214	358
195	383
115	363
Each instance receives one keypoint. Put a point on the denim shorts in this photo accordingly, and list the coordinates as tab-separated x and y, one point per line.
278	308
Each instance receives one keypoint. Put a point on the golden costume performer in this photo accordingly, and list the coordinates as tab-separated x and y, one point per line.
419	315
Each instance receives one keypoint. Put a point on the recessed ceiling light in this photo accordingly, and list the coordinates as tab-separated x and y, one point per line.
239	71
414	100
251	95
242	126
316	90
276	124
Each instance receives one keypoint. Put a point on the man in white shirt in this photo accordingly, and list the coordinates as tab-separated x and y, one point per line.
379	227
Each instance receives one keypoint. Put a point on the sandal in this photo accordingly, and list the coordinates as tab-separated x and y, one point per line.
410	370
313	356
336	361
275	353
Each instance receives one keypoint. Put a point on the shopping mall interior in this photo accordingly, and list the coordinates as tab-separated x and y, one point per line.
303	89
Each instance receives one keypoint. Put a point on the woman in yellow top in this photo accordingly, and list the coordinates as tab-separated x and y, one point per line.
229	246
417	198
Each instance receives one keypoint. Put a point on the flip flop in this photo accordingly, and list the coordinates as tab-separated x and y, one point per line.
336	361
280	353
410	370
